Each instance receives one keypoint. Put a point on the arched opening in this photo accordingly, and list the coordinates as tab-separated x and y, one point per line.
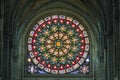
30	25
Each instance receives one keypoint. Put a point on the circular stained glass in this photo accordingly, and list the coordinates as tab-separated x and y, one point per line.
58	44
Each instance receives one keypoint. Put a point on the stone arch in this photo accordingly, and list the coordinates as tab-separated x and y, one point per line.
27	21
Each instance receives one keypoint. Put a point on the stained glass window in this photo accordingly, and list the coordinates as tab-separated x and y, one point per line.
58	44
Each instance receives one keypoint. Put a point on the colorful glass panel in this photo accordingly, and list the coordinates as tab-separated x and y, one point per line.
58	44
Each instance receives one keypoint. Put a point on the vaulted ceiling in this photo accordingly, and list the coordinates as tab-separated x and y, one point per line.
22	9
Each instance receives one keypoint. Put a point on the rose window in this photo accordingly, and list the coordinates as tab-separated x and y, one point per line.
58	44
